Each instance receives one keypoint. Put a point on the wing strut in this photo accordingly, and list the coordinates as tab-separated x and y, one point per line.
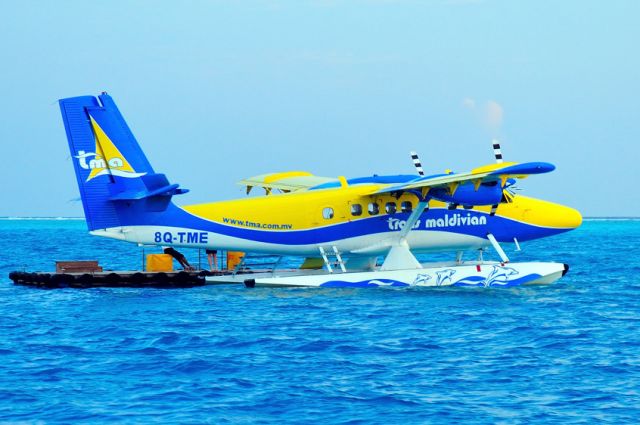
498	248
400	255
411	221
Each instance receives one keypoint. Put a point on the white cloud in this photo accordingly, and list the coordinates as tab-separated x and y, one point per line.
493	115
489	114
468	102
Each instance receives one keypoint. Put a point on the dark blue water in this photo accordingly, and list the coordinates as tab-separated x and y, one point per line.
565	353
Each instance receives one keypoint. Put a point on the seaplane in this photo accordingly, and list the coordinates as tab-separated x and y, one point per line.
345	224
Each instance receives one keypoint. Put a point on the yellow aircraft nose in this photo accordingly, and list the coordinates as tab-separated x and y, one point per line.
567	217
544	214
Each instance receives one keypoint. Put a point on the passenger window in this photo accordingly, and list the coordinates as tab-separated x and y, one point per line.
373	209
356	209
406	206
327	213
390	207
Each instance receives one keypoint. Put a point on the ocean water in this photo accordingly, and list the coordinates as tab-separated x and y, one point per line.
563	353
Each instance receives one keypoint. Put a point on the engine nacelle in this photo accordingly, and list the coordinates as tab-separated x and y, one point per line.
466	194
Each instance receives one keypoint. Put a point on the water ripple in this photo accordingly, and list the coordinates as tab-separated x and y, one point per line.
565	353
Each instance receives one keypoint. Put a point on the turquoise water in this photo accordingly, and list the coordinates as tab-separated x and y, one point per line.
565	353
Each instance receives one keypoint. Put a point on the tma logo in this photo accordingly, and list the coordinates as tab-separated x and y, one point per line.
100	166
97	161
109	161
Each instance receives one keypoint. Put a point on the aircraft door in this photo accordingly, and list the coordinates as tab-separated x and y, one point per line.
327	213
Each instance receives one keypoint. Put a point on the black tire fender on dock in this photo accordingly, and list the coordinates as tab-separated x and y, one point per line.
75	282
160	279
56	281
43	280
63	280
182	278
138	279
19	278
98	280
113	279
85	280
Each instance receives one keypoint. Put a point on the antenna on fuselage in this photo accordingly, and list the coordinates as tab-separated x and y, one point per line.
416	163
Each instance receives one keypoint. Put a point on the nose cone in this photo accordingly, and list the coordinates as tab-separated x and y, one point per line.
555	217
566	218
538	218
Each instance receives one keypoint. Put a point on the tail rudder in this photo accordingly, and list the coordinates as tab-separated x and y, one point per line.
115	179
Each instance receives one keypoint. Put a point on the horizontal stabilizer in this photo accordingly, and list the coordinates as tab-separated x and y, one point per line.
156	185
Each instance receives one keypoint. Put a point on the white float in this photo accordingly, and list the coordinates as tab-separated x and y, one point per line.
474	273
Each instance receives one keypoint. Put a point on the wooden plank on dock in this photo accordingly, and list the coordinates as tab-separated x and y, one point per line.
90	266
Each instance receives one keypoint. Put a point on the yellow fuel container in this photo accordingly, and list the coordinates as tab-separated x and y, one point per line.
159	263
233	259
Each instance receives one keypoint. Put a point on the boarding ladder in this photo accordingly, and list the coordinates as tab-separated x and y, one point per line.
266	263
333	252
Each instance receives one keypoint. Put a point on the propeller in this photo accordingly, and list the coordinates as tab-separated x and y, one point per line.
497	152
416	163
508	185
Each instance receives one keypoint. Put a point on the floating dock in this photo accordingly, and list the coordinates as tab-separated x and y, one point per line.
113	279
89	274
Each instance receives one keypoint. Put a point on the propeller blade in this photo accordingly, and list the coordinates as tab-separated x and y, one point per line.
497	152
416	163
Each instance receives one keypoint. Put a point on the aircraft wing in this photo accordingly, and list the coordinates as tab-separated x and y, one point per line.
289	181
489	173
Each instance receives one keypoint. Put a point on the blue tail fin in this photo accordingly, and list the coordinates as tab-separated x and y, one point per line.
117	184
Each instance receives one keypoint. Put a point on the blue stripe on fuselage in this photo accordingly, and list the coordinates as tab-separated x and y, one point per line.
454	221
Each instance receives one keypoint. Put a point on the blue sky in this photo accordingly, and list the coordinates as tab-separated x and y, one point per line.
218	91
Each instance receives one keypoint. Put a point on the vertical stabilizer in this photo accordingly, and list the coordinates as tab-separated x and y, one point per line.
116	181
